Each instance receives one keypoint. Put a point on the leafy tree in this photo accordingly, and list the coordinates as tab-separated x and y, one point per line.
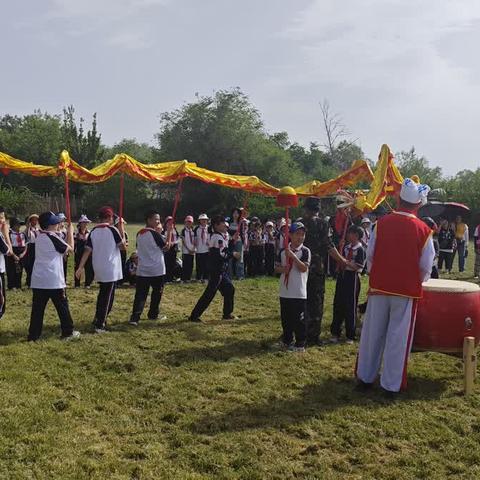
224	132
33	138
85	149
410	164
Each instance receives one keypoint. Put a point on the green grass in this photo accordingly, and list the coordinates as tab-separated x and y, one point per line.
187	401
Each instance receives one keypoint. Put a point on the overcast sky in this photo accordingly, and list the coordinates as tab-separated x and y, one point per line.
402	72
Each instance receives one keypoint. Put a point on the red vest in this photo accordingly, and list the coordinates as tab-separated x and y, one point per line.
399	241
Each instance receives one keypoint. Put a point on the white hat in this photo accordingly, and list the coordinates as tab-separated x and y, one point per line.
203	216
83	219
366	220
412	192
269	224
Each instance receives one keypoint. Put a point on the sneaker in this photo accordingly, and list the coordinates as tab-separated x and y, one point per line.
161	318
196	320
293	348
349	341
101	330
75	335
281	345
334	340
133	323
230	317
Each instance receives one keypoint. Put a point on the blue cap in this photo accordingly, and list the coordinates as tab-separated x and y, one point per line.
296	226
49	218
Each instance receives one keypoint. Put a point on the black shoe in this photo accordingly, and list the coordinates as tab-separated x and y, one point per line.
197	320
230	317
363	386
389	395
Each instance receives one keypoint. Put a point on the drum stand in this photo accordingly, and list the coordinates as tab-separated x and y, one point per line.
469	365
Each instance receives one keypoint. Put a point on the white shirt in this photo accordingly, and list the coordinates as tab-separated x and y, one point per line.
426	259
48	266
151	262
105	241
297	280
18	239
202	239
3	251
188	241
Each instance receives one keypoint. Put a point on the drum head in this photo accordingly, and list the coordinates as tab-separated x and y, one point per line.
450	286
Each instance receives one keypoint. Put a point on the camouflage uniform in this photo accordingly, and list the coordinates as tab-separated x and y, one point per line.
318	241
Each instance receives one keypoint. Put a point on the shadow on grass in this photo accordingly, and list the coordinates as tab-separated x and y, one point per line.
314	401
218	353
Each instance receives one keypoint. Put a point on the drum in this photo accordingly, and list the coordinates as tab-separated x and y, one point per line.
448	312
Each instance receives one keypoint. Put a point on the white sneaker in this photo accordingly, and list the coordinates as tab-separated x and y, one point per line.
74	336
334	340
101	330
131	322
293	348
349	341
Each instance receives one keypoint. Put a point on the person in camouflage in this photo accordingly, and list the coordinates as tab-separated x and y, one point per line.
320	245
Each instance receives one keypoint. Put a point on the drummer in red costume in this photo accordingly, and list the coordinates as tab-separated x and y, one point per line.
400	256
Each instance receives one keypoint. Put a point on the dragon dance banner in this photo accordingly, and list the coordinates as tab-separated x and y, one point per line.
386	179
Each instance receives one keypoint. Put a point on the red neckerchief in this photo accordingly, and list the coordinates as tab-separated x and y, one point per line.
290	264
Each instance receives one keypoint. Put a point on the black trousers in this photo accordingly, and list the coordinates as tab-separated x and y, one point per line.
39	302
256	259
315	300
89	274
201	260
292	314
221	282
446	257
106	295
3	301
170	264
29	261
142	288
345	304
187	266
270	259
14	270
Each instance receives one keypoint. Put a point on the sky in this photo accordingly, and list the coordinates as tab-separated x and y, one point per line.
401	72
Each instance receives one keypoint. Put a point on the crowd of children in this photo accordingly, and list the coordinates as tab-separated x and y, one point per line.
215	251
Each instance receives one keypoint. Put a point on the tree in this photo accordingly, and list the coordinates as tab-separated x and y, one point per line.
224	132
33	138
84	149
410	164
340	152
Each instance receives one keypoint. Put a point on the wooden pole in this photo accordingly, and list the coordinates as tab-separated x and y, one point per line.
469	364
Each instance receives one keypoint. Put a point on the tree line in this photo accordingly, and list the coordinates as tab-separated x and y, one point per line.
222	132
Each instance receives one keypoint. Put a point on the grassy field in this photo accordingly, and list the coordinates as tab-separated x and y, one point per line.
196	401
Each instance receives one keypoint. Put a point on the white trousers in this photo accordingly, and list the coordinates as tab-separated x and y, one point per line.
387	329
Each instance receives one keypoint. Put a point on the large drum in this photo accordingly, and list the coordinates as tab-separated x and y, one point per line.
448	312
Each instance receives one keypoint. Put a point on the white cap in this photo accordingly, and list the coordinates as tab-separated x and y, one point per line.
203	216
412	192
366	220
269	224
84	219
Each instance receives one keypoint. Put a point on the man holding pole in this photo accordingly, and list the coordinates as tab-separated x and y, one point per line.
320	245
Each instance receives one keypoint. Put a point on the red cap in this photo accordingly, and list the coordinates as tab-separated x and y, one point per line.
105	212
